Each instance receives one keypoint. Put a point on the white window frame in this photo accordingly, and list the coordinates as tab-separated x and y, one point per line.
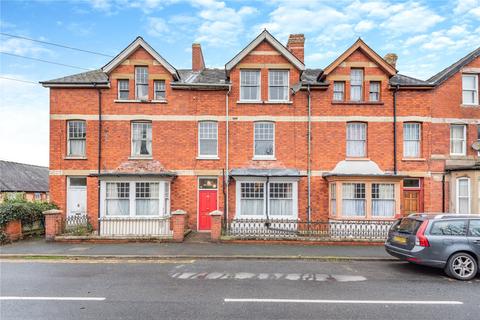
259	86
208	156
342	83
475	89
419	141
361	85
464	140
370	92
365	126
162	197
287	86
266	189
457	195
263	157
132	151
393	199
37	196
137	83
365	200
333	199
155	91
69	153
119	81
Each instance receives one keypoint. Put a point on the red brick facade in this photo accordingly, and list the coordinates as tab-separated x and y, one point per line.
175	143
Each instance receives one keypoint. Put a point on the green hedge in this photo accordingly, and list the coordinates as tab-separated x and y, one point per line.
27	212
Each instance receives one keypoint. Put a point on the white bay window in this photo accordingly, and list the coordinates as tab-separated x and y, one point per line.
353	199
259	198
383	200
463	196
117	201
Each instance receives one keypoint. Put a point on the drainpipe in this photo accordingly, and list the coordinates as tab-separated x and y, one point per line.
395	129
227	177
99	150
309	169
443	192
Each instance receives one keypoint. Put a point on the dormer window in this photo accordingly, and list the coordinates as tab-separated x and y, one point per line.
374	91
141	83
470	89
356	84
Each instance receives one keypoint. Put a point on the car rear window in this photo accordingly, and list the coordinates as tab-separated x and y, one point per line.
407	225
474	228
449	228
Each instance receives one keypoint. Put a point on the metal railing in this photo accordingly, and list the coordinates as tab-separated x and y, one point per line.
75	221
329	230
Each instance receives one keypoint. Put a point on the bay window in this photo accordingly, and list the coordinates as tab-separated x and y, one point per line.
250	85
278	85
264	140
141	83
411	140
356	84
383	200
333	198
141	139
458	133
353	200
76	138
257	198
207	139
463	196
356	139
470	89
132	198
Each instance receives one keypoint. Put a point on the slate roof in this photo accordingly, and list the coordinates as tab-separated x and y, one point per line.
89	77
406	81
20	177
311	76
446	73
252	172
206	76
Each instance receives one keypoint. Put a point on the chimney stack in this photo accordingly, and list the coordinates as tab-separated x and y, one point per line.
391	59
296	45
198	64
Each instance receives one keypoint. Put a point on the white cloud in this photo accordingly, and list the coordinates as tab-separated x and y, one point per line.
157	27
411	18
364	26
321	56
22	47
464	6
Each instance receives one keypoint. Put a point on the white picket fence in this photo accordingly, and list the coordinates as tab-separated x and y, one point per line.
138	227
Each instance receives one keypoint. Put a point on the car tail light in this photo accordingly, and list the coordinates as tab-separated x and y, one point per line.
422	240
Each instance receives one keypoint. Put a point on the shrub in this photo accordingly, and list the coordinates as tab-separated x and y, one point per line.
20	209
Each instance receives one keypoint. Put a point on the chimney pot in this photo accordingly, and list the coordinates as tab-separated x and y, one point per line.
198	64
391	59
296	45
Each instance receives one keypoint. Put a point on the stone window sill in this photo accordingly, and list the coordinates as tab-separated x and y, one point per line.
74	158
414	159
358	103
470	105
264	158
207	158
264	102
140	158
357	159
140	101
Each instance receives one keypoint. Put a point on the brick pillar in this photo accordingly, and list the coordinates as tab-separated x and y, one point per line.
216	225
178	225
53	223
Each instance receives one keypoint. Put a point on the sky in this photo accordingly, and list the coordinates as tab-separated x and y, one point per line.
426	35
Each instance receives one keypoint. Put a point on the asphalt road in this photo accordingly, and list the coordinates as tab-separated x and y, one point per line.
235	289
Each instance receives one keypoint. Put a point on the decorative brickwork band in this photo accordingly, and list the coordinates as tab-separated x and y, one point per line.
53	223
178	225
216	226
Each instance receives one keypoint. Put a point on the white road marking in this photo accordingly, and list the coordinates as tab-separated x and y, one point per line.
265	276
344	301
55	298
342	278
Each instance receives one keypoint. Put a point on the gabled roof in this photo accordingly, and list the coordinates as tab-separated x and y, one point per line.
139	42
94	78
446	73
265	35
20	177
359	44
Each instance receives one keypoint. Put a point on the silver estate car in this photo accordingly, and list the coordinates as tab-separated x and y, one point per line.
448	241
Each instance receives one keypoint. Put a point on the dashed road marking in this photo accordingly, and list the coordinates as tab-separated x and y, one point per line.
266	276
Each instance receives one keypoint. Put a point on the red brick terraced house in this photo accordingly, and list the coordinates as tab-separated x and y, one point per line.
265	137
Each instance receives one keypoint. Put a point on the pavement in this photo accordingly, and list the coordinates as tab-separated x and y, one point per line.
192	250
232	289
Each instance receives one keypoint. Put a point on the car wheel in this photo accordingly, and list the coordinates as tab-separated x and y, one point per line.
461	266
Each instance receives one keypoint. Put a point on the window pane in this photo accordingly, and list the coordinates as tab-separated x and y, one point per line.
468	82
141	82
353	199
146	198
142	138
252	198
264	135
449	228
411	139
207	183
278	85
356	77
78	182
474	228
411	183
76	138
208	138
457	139
355	93
374	91
338	91
356	139
383	200
281	199
117	199
250	85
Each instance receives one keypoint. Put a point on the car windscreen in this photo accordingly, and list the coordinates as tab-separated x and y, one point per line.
407	226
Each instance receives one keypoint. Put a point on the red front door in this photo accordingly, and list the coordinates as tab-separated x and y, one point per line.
206	204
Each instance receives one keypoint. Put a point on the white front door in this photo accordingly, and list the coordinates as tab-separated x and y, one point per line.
76	196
